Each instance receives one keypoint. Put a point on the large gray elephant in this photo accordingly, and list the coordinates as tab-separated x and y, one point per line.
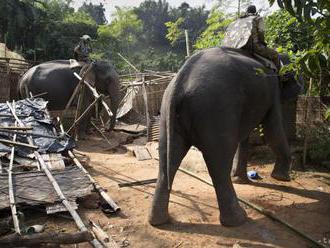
57	80
217	98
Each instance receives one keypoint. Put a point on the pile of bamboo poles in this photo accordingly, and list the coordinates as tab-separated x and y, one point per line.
84	235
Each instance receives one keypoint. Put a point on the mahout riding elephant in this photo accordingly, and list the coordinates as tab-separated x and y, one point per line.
217	98
56	78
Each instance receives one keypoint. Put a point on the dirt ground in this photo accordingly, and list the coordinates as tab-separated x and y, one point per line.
304	203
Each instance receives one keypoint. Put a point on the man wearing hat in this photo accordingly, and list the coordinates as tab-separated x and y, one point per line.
83	49
248	33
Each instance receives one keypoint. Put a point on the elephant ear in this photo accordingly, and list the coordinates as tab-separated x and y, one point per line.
291	89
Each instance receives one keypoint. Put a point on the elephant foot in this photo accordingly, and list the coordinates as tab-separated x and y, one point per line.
235	217
159	218
240	180
281	176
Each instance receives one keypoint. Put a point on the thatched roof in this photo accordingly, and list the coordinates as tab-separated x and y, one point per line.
16	61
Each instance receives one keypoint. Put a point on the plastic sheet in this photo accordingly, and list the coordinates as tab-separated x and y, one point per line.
33	113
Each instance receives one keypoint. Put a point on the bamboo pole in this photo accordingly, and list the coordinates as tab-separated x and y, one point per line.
11	188
76	90
260	209
103	237
97	187
36	240
187	42
76	122
129	63
15	128
28	133
145	99
96	94
56	187
100	132
307	121
15	143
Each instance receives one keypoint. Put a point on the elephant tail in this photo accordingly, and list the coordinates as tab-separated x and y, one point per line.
170	118
173	97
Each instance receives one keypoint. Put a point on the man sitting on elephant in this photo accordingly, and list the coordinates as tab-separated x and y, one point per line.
247	33
83	49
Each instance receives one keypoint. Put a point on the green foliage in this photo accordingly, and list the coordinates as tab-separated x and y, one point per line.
79	17
313	62
284	30
217	23
154	15
327	115
175	30
95	11
125	26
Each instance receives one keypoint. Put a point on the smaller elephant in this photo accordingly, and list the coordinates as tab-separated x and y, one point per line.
56	78
214	102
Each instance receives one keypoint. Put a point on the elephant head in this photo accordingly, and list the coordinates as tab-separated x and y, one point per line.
107	83
293	86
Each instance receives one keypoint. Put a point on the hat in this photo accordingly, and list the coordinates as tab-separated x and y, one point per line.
251	9
85	37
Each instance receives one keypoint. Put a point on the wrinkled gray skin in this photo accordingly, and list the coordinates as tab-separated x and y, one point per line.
57	79
239	170
214	103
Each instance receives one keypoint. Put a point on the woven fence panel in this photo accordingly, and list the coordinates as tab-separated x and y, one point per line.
4	87
155	92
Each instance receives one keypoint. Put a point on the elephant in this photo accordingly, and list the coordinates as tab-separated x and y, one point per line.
216	99
56	78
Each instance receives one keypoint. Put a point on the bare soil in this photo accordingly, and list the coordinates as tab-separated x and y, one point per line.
304	203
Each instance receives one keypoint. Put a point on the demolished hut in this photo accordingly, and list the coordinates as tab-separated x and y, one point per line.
39	167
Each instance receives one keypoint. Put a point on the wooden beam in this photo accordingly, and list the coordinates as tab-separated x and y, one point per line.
35	240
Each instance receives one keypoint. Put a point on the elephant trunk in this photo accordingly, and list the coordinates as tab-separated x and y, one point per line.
113	90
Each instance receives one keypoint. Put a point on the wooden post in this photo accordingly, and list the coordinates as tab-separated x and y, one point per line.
239	8
187	42
11	187
145	99
97	187
306	125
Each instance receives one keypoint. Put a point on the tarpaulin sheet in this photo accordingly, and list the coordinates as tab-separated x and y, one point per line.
33	113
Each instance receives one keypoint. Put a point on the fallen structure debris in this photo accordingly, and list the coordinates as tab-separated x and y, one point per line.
39	168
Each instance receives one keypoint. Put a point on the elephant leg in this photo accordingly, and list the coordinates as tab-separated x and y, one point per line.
159	209
239	171
276	138
219	166
218	152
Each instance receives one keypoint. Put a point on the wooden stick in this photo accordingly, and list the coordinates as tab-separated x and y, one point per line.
15	128
28	133
145	99
259	209
307	121
129	63
96	94
102	236
137	183
35	240
76	90
83	114
97	187
102	134
11	188
15	143
57	188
